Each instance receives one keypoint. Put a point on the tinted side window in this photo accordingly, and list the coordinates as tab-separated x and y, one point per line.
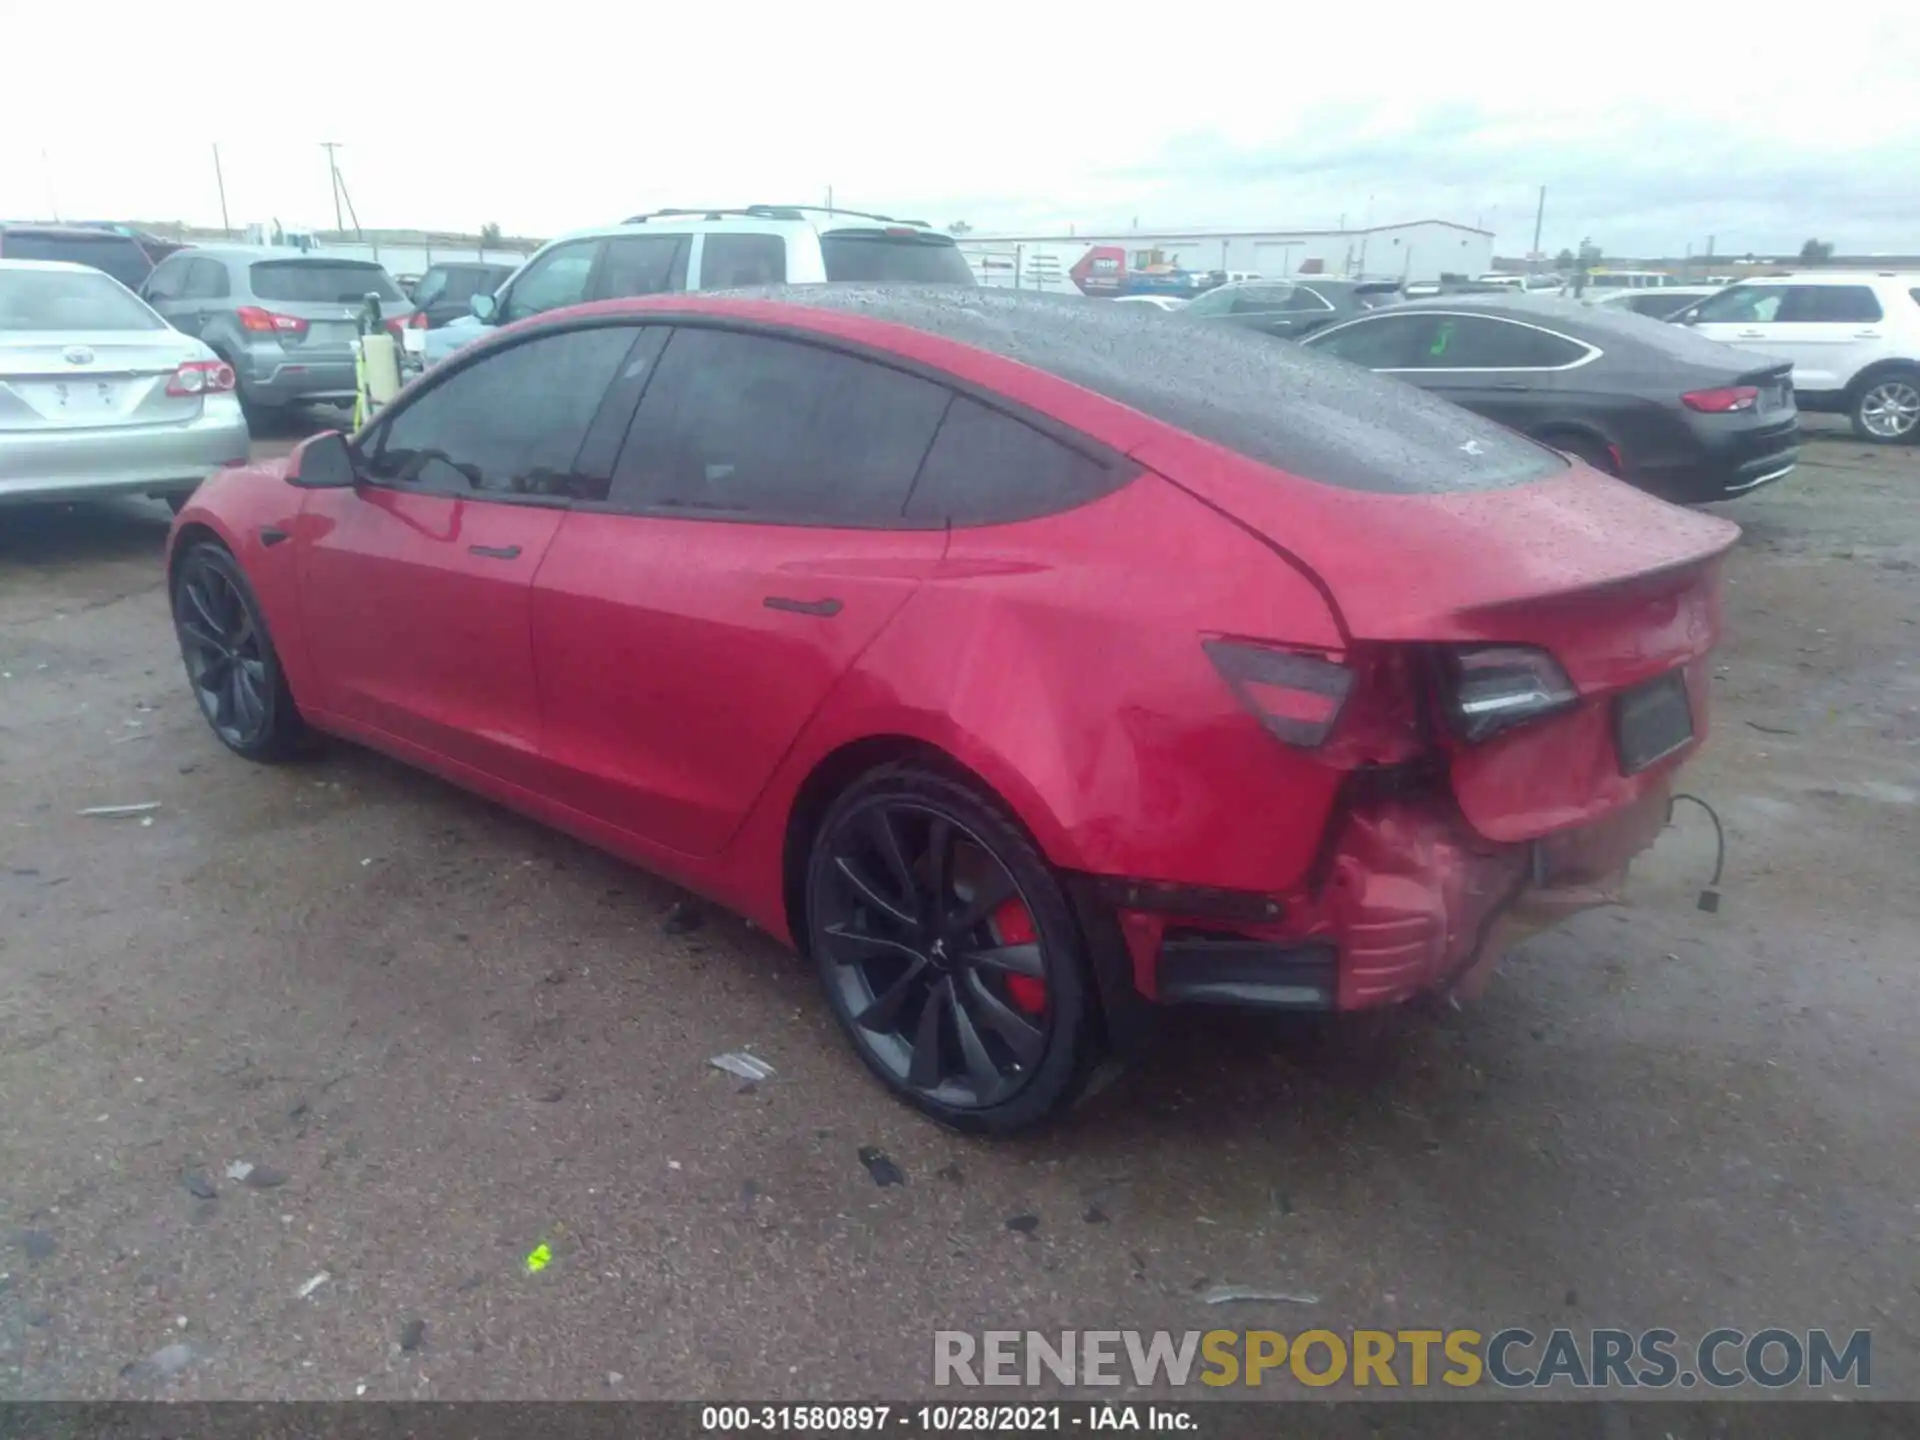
510	423
1659	306
1262	299
1475	342
1390	342
642	265
743	260
765	429
987	467
557	278
1832	304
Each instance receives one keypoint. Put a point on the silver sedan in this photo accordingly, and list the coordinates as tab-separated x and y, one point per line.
99	397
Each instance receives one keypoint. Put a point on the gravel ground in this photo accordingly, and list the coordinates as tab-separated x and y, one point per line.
444	1036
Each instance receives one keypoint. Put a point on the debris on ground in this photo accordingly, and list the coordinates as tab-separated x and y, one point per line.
1023	1224
166	1361
950	1172
549	1095
881	1167
1770	729
413	1334
308	1287
684	918
265	1177
38	1316
614	1377
748	1067
239	1170
1232	1294
198	1185
539	1258
111	812
1096	1216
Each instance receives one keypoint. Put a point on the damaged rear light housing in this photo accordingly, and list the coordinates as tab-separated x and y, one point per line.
1491	688
1297	697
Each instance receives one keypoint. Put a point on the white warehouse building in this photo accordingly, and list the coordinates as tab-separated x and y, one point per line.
1417	250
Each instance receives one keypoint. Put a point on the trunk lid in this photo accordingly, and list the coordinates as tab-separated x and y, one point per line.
329	294
62	380
1620	588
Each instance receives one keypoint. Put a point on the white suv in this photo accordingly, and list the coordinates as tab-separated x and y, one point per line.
1853	338
675	250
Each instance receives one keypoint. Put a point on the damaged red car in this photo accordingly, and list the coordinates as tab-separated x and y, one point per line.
1028	664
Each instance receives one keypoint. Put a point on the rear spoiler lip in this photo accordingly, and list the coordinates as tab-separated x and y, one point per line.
1702	559
1765	374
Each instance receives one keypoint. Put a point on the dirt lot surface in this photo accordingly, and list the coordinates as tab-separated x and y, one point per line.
444	1037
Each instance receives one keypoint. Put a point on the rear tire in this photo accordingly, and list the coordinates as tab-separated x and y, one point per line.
1886	409
916	885
232	667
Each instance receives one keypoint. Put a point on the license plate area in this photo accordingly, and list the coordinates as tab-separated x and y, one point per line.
1651	721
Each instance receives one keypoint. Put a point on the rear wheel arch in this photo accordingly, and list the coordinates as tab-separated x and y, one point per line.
1880	370
191	535
838	769
1575	439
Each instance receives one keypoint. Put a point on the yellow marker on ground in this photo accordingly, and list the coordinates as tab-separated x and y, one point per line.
539	1258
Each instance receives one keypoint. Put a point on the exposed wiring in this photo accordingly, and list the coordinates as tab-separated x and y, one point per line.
1709	897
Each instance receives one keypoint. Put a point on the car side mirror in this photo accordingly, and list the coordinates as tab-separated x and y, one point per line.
322	463
484	308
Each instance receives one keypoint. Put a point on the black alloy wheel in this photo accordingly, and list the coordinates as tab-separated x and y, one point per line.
949	952
229	656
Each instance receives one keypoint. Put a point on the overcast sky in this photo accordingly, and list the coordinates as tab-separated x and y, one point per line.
1653	126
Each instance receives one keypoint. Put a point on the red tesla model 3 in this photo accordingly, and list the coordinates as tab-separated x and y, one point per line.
1027	663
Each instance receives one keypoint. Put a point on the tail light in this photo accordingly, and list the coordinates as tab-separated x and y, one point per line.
397	327
1495	687
1721	401
1297	697
266	322
201	377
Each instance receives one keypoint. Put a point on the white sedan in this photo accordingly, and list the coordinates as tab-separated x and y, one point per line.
99	397
1162	302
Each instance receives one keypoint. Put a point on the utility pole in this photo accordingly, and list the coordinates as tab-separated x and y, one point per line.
1539	218
333	182
221	181
829	199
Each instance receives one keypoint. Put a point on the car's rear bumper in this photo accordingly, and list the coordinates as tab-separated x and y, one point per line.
1412	902
284	378
1729	461
143	459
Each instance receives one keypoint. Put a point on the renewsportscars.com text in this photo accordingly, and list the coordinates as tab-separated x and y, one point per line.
1513	1358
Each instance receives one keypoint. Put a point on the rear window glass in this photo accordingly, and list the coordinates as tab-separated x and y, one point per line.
320	282
69	300
876	256
1280	404
118	255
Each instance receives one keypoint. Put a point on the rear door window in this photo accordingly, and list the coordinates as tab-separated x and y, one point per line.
509	423
1481	342
750	427
1384	342
731	260
320	282
642	265
559	277
879	256
987	468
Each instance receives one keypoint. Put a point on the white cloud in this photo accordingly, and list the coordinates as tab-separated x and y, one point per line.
1650	129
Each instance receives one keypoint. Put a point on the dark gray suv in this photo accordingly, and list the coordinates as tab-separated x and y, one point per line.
284	319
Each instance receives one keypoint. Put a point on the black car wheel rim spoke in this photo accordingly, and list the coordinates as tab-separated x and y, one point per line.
903	911
226	661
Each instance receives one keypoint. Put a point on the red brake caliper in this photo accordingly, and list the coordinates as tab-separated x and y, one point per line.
1014	926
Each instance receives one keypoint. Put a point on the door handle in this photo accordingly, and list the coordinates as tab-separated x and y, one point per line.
827	608
1866	334
494	552
1752	335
